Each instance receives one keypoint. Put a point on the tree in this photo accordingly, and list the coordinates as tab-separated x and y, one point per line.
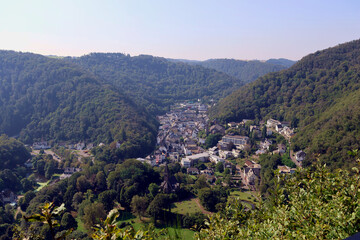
153	189
207	199
10	180
219	167
201	182
93	213
264	132
40	166
139	205
160	202
107	198
49	168
77	199
82	184
24	203
100	181
12	151
68	221
212	140
26	184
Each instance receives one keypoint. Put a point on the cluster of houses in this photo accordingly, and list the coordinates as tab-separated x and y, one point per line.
178	133
282	128
178	141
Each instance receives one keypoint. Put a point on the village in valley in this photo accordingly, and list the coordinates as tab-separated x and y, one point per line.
186	136
225	155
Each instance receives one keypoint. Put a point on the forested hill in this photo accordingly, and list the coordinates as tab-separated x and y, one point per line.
246	71
281	61
156	82
51	99
320	94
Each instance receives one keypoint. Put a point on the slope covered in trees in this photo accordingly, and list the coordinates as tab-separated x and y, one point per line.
50	99
246	71
156	82
319	94
12	153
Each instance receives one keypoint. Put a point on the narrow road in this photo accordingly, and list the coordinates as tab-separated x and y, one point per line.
201	207
292	156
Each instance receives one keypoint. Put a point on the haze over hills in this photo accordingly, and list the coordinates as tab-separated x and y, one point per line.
50	99
245	71
320	95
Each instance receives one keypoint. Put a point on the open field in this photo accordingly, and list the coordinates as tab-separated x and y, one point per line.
42	185
172	232
187	206
245	196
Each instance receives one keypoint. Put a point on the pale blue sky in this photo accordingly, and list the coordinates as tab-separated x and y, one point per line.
197	29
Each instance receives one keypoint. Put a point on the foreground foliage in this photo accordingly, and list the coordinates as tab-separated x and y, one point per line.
313	204
109	230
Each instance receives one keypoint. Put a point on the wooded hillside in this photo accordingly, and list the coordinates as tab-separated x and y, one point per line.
319	94
50	99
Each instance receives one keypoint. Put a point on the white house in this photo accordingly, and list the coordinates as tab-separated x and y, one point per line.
185	162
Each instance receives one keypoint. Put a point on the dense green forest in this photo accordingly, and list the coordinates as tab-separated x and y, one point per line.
155	82
246	71
12	153
50	99
319	94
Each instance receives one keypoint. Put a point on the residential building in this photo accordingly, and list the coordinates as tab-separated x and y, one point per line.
41	145
236	139
217	129
272	123
192	171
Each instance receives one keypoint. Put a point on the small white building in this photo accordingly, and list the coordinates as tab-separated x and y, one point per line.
41	145
185	162
216	159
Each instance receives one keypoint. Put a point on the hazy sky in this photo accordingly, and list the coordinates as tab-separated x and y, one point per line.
196	29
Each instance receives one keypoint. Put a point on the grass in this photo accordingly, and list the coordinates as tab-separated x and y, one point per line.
186	206
176	233
173	232
81	226
246	195
42	185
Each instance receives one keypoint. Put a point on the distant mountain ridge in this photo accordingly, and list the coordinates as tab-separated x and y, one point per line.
155	82
320	94
244	70
281	61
